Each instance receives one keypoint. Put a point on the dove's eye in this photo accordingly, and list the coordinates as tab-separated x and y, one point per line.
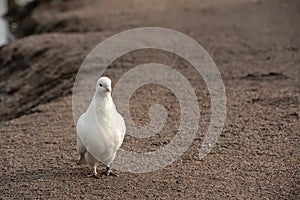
100	85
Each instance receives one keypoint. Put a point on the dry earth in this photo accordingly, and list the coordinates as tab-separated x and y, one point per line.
255	44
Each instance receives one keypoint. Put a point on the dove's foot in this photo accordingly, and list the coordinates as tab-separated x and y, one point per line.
93	175
109	172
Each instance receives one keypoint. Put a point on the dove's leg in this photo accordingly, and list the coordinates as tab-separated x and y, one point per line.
92	162
109	171
94	173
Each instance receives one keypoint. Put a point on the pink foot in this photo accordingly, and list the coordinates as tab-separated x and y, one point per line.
109	172
93	175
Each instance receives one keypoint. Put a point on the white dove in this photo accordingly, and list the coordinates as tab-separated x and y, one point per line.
100	130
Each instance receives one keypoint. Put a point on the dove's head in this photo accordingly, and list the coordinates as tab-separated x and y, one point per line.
103	85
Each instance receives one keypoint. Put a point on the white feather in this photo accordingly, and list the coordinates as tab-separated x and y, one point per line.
101	129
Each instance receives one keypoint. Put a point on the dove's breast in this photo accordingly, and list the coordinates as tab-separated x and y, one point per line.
112	131
101	129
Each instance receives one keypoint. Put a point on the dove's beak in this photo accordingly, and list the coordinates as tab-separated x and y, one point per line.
108	89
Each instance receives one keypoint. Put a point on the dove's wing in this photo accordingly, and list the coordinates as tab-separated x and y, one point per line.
119	121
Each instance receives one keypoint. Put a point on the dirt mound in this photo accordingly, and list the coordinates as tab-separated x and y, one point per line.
39	69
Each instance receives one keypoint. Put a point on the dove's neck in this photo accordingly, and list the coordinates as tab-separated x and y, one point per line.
103	104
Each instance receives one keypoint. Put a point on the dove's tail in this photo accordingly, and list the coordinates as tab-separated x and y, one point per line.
81	159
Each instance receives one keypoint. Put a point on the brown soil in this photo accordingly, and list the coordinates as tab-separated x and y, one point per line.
255	44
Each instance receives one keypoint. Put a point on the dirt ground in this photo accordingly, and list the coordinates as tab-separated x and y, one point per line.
255	44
